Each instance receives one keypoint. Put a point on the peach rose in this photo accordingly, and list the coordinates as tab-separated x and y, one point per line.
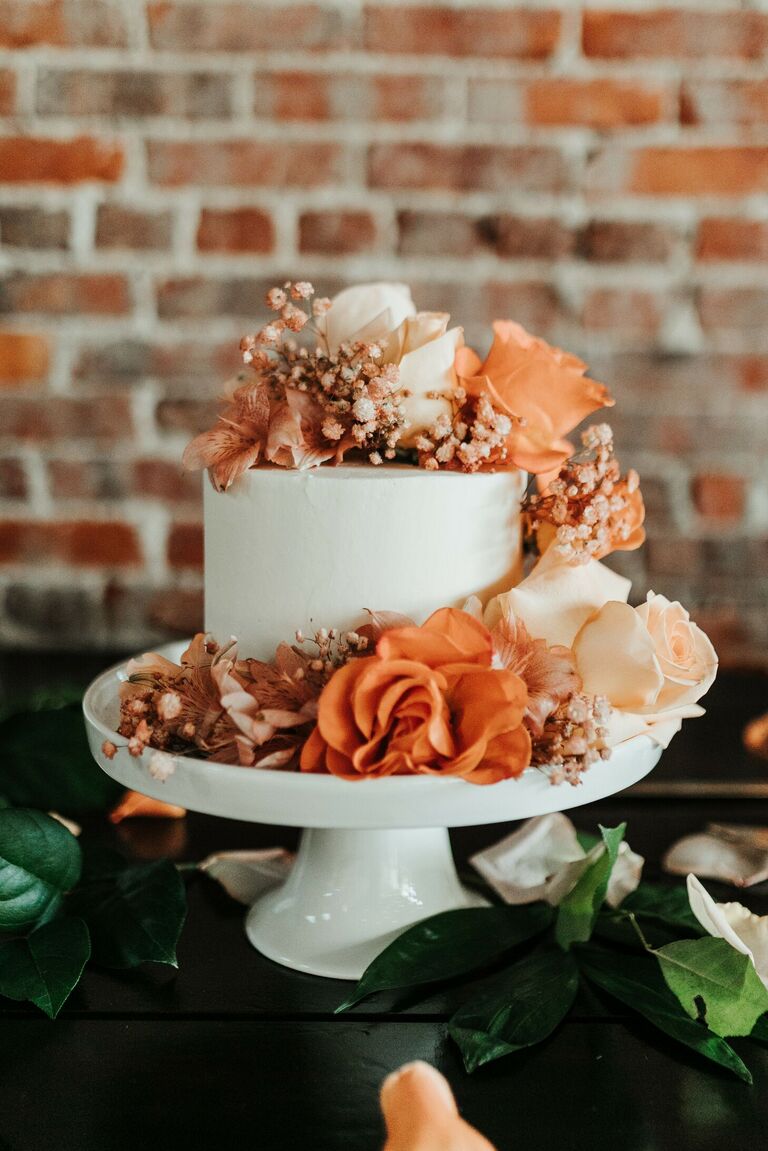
652	662
545	387
427	702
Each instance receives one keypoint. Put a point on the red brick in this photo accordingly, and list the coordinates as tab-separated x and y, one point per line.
61	294
225	27
32	159
185	546
726	171
719	496
60	418
724	102
470	167
732	239
22	227
617	241
24	358
235	230
182	415
61	24
83	479
132	361
13	479
203	296
336	232
165	481
350	96
245	162
82	543
753	376
623	313
594	103
7	92
485	32
444	234
134	93
118	226
733	309
617	34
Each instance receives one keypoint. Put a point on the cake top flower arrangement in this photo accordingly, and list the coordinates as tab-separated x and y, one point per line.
383	382
549	674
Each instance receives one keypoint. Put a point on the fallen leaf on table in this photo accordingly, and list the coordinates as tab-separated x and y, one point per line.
134	803
729	852
755	736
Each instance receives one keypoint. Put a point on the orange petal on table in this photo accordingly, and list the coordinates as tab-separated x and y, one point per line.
421	1114
134	803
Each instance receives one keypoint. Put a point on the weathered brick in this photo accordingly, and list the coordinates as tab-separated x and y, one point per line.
336	232
59	293
7	92
22	227
681	171
724	102
24	358
723	238
30	159
98	418
476	31
617	34
134	93
235	230
244	162
218	26
81	543
469	167
13	479
617	241
204	296
624	313
311	96
177	609
87	479
61	24
132	361
165	481
183	415
119	226
185	545
719	496
733	309
600	103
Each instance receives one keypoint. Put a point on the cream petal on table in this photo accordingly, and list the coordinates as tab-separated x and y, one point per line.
557	598
245	875
377	308
733	854
736	924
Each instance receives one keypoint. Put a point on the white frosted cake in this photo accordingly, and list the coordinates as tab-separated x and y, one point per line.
308	549
366	504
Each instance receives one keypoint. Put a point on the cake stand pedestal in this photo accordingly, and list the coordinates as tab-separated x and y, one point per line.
374	856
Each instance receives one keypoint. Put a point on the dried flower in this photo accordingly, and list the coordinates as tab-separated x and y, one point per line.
573	738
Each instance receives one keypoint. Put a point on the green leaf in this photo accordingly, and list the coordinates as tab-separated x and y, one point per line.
47	965
39	861
450	944
578	912
134	912
667	905
760	1031
47	762
715	983
519	1007
637	982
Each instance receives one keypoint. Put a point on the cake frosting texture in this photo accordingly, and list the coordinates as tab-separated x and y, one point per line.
288	549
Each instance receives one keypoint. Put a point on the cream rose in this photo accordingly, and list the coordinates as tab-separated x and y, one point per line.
419	343
652	675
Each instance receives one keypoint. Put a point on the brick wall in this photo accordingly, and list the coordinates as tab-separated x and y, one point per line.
600	174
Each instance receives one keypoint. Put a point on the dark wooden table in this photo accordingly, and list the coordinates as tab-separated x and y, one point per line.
234	1051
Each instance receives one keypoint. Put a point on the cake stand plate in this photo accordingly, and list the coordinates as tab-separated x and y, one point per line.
374	856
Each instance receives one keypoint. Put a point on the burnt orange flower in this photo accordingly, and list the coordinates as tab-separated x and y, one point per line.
428	703
542	387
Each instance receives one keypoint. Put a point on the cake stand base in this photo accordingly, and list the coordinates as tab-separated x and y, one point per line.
350	893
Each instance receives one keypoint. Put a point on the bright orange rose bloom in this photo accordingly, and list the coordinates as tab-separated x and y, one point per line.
526	377
426	703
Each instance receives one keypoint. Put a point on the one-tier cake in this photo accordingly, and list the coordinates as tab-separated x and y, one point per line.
367	500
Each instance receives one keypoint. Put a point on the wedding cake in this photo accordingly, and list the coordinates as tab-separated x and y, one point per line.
366	504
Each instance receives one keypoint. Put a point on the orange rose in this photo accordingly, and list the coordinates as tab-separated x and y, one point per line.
541	385
427	702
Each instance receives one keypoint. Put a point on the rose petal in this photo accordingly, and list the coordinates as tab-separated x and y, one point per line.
736	924
616	657
519	867
245	875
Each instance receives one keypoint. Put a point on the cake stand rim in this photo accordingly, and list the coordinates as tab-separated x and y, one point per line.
452	802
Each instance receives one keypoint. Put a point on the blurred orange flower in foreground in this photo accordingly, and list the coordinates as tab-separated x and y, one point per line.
427	702
543	387
421	1113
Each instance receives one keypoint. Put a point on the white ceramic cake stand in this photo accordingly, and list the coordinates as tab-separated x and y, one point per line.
374	856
